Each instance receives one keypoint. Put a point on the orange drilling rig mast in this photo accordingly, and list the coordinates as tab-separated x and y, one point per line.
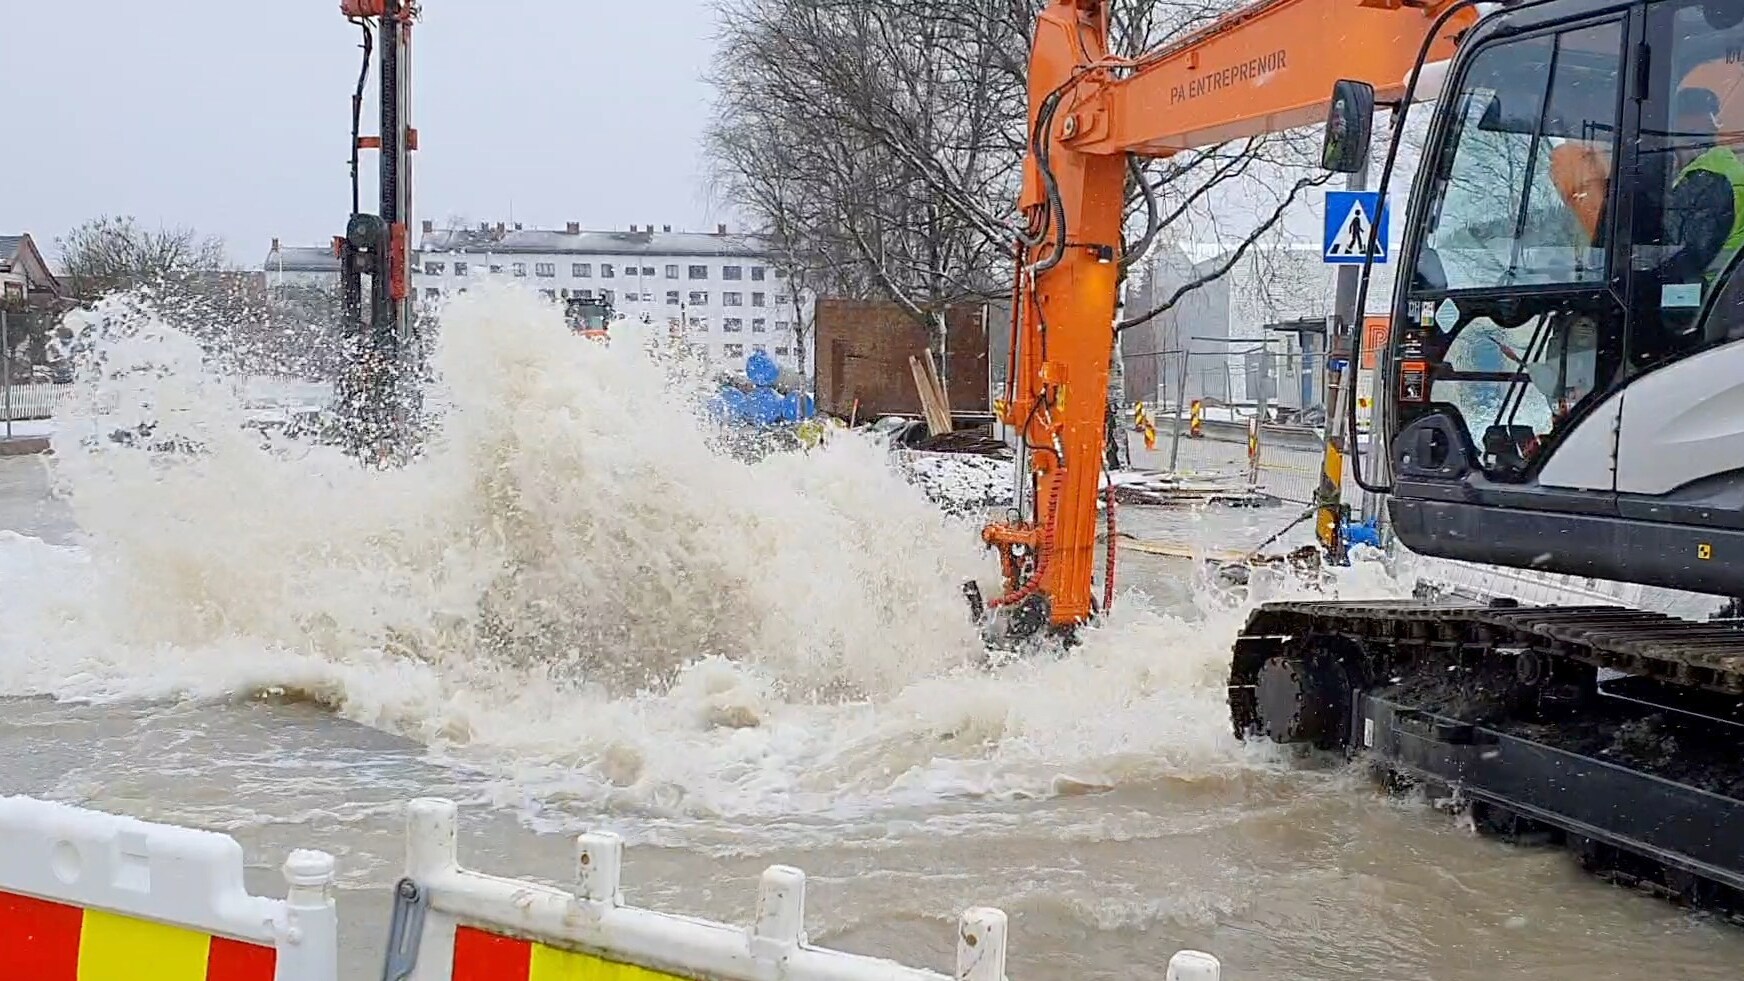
1267	67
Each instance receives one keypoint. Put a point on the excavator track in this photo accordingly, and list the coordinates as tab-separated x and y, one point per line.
1613	731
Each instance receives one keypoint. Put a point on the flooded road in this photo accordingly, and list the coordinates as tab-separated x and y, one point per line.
572	613
1284	873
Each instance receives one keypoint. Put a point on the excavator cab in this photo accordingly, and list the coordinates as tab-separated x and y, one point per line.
1564	382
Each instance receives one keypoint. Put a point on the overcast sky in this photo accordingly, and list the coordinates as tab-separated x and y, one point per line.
233	118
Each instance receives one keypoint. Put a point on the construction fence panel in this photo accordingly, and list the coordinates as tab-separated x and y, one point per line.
88	896
454	923
1202	402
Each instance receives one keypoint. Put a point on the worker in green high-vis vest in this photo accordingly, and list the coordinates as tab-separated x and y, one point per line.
1704	211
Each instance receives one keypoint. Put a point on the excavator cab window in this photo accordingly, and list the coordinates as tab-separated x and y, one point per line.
1510	298
1689	212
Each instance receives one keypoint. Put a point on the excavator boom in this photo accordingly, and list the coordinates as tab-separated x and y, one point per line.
1265	67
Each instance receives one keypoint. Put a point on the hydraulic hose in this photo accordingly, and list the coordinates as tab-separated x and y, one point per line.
1108	570
1044	558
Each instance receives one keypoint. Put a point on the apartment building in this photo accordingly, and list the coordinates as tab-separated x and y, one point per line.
724	292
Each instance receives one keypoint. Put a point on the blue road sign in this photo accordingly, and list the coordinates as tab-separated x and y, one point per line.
1349	215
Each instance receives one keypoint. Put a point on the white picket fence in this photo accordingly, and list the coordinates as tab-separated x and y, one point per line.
87	894
35	400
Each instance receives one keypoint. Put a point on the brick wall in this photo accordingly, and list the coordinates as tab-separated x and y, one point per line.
863	347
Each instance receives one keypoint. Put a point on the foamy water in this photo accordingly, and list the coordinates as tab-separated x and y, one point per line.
573	594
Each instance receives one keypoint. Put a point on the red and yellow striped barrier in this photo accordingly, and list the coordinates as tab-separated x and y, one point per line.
89	896
47	941
482	956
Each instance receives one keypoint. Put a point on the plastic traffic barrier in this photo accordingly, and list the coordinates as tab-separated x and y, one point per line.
87	896
454	923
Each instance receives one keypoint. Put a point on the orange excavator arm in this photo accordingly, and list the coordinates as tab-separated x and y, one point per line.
1266	67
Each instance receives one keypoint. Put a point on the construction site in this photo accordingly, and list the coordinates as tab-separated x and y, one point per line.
1123	601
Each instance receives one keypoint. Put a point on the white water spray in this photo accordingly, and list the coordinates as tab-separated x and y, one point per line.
573	590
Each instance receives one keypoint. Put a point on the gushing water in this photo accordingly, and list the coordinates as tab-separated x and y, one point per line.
573	589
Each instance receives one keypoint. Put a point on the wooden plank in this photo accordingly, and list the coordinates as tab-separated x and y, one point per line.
939	394
928	408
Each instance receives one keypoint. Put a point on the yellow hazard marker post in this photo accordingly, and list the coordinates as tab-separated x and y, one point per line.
1196	418
1143	420
1253	451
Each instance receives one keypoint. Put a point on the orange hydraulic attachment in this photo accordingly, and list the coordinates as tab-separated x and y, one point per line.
1263	68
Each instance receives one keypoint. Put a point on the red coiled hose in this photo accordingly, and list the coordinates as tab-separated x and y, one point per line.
1108	570
1044	556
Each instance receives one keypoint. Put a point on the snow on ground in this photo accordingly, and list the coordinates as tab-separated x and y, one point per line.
959	483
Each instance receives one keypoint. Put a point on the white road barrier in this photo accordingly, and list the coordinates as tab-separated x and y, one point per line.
454	923
97	897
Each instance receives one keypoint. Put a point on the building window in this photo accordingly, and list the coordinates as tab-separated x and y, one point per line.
699	323
759	325
732	272
432	294
764	348
496	267
780	274
609	296
648	270
585	294
732	325
460	269
582	270
647	298
606	271
780	352
758	298
734	350
733	299
781	326
549	294
435	268
672	298
697	272
520	269
545	270
781	299
757	274
699	297
672	272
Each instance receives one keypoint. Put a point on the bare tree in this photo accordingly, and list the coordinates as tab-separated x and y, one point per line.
880	146
109	253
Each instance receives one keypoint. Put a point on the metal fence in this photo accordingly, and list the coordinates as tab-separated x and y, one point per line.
1249	378
1233	382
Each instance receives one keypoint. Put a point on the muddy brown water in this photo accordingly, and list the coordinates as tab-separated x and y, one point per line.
1292	873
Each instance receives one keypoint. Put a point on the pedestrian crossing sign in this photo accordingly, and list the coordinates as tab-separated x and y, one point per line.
1349	215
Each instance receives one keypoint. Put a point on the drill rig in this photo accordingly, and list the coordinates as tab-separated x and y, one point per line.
1562	390
378	392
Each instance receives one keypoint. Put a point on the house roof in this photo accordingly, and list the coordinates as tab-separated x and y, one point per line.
541	242
302	258
13	248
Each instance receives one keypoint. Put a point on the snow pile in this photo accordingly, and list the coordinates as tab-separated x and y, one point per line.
959	483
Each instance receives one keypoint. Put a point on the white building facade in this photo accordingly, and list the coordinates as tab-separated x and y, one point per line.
724	292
